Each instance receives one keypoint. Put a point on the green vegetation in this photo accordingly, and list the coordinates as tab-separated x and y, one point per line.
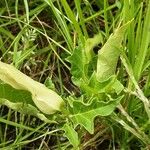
93	60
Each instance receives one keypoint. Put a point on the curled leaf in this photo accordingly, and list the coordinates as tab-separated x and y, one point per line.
45	99
109	54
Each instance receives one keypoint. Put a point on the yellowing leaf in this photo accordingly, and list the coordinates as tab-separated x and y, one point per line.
45	99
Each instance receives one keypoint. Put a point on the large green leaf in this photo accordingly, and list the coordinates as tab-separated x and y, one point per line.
84	114
108	55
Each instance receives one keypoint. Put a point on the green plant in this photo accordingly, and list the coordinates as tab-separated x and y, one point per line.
104	87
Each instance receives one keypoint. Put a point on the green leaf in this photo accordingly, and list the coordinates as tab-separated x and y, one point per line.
72	135
81	58
78	61
108	55
94	87
84	114
9	93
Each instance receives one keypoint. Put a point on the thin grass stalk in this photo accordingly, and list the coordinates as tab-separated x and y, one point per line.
138	67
